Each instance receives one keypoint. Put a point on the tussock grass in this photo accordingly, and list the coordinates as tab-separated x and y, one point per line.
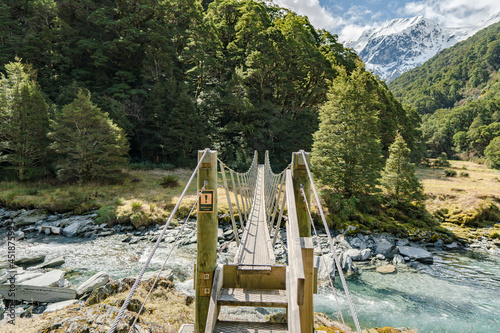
140	198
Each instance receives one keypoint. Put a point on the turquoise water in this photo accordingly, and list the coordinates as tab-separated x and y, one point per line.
460	292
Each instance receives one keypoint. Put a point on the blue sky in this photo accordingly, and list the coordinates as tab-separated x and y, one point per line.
349	18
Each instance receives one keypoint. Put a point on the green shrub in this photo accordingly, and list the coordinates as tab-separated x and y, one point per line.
442	161
450	173
166	166
107	214
144	165
464	174
169	181
136	205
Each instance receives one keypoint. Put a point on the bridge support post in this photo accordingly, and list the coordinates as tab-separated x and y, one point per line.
207	226
301	180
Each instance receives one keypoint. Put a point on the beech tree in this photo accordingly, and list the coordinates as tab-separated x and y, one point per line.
492	153
346	154
24	121
89	145
399	177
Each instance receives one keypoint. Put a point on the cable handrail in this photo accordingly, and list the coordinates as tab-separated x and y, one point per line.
332	246
155	247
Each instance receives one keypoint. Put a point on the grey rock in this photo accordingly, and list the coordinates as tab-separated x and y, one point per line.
326	267
30	261
386	248
347	264
398	260
452	246
354	254
357	243
417	254
71	230
402	242
127	239
96	281
49	279
54	263
18	235
365	254
220	234
47	231
52	307
29	217
27	276
380	256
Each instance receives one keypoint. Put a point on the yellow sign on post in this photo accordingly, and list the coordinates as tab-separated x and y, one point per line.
206	202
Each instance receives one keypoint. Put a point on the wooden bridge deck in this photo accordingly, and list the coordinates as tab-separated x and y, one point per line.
256	248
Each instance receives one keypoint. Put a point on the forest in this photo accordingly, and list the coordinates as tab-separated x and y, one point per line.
458	94
173	77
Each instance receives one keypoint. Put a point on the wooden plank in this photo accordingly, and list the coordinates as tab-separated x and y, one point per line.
250	327
273	298
37	294
295	261
306	310
293	313
213	308
275	278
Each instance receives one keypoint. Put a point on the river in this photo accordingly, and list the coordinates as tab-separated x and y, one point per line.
460	292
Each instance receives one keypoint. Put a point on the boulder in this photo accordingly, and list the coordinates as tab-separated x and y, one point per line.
326	267
29	217
347	264
386	248
72	229
386	269
452	246
18	235
365	254
220	234
357	243
49	279
30	261
53	263
417	254
353	253
96	281
59	305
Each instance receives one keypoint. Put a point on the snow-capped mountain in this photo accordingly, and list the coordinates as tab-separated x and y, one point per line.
402	44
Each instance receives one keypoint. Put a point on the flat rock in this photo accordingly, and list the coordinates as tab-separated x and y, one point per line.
72	229
386	269
29	217
30	261
49	279
59	305
53	263
96	281
27	276
416	253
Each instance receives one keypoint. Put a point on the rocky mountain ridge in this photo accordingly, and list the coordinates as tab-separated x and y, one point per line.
402	44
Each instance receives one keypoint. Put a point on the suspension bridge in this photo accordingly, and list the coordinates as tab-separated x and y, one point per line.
254	279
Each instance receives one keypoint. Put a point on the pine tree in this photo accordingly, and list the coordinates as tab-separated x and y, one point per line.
24	122
399	177
90	146
346	153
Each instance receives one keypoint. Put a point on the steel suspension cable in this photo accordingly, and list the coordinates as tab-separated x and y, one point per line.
332	246
321	250
174	246
155	247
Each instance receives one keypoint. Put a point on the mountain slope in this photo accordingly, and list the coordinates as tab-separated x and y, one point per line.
449	78
402	44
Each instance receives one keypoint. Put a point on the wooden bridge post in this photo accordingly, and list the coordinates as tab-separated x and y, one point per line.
207	226
301	180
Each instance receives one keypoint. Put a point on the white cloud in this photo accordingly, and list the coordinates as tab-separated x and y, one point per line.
319	16
346	26
453	13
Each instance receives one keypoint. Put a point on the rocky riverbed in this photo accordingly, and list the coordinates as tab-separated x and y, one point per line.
74	248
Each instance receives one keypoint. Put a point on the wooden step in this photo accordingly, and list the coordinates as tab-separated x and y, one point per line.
249	327
253	297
